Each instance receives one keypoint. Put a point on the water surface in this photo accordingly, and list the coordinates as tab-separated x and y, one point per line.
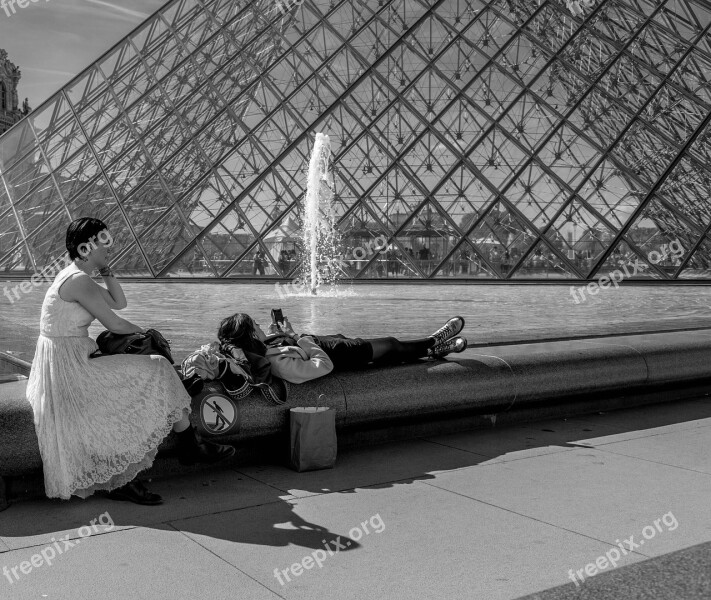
188	313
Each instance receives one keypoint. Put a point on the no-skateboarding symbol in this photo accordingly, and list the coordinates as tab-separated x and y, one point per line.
219	414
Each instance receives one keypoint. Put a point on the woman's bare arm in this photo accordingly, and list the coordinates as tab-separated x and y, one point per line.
82	289
113	293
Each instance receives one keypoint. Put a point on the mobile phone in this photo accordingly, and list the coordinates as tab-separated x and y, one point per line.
277	315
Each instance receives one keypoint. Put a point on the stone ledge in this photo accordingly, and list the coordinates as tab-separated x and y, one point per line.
12	364
480	381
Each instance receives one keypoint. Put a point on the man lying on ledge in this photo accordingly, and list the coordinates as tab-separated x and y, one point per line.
299	358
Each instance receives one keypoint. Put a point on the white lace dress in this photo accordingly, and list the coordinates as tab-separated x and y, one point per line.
99	421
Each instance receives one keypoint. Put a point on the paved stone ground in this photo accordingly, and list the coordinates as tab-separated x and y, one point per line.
496	514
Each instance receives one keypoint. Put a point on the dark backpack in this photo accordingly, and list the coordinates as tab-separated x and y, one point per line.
151	342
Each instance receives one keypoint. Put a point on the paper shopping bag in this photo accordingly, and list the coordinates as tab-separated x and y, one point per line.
313	438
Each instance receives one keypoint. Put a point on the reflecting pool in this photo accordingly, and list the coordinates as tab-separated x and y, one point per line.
188	313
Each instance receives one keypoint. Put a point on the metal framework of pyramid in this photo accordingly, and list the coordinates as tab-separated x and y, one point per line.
504	139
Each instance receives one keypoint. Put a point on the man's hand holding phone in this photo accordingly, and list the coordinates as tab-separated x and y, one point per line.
280	324
287	328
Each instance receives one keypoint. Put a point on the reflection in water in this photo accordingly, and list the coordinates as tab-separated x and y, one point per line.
188	313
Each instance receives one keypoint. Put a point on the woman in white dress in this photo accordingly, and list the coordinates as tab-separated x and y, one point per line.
99	421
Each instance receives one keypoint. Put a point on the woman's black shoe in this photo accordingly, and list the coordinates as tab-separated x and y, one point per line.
191	450
136	492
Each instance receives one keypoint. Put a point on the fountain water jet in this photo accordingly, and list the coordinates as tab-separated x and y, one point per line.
320	237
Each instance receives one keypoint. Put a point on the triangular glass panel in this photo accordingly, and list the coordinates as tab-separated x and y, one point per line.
85	88
25	176
9	232
48	242
501	235
283	244
686	189
129	171
567	155
489	31
429	160
40	205
18	143
76	173
255	207
430	95
664	236
395	261
465	263
191	264
543	262
186	11
254	264
430	235
166	239
205	202
227	240
66	140
362	236
184	169
213	140
462	125
147	204
45	121
630	263
529	121
394	202
213	55
498	157
130	263
130	86
147	112
645	152
109	65
16	262
614	192
699	265
580	235
538	195
166	138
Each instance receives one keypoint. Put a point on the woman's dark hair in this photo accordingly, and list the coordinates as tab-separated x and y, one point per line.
82	231
239	330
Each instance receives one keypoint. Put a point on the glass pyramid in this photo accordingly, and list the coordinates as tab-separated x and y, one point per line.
471	139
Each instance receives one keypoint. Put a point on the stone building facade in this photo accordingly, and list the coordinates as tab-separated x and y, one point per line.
10	109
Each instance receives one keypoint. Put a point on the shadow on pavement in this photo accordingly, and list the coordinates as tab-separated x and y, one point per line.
256	504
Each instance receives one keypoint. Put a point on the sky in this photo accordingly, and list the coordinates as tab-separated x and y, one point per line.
51	41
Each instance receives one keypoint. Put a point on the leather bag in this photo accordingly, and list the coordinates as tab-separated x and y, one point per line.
151	342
